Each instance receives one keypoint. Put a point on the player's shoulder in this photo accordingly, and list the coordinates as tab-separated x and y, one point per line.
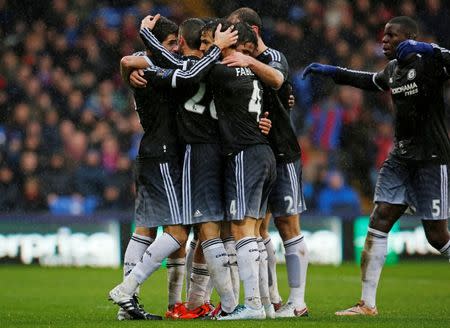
274	55
139	53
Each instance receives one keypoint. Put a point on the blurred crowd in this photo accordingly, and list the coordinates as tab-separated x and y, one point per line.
69	133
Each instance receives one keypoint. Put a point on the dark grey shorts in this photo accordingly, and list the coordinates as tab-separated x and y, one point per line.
422	186
158	199
203	196
286	197
249	177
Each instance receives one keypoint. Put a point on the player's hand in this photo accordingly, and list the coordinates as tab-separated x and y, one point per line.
408	47
225	39
316	68
237	59
265	124
150	21
291	101
137	80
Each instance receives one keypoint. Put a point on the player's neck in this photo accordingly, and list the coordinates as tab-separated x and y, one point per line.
227	51
260	48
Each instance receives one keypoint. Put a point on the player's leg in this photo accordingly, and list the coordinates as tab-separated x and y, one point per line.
160	187
247	253
249	178
438	235
296	254
286	202
230	247
189	260
373	256
175	276
275	297
432	185
199	279
263	273
139	242
392	194
218	264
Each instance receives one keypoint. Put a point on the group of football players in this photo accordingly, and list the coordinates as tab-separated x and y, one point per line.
219	156
210	160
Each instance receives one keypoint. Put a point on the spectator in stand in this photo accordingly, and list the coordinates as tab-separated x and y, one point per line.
9	191
32	198
338	197
90	177
57	179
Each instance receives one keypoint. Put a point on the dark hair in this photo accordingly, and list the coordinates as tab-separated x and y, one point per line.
211	26
191	30
247	15
408	25
163	28
245	31
245	34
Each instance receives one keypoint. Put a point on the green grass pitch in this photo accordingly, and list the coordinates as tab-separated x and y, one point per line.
411	294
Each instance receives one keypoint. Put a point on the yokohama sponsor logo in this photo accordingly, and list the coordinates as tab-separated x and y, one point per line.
404	88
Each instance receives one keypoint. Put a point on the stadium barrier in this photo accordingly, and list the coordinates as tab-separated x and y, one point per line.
100	239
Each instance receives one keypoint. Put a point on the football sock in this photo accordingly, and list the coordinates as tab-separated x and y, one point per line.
248	264
209	290
219	270
446	250
263	273
189	259
372	261
296	263
135	249
175	278
272	265
199	281
230	247
163	246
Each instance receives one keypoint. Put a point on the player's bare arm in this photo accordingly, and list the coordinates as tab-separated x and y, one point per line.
130	63
265	73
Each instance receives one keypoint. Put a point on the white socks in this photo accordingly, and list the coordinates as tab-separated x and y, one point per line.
135	249
263	273
446	250
209	290
296	255
230	247
189	259
248	263
219	270
199	282
372	261
272	265
163	246
175	279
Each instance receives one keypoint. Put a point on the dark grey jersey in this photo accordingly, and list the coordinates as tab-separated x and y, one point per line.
157	103
282	137
238	100
196	118
416	86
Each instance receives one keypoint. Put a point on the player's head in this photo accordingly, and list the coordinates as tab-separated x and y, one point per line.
398	29
208	32
247	40
249	16
189	34
166	32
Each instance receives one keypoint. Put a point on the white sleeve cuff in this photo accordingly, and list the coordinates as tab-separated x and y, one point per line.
174	79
